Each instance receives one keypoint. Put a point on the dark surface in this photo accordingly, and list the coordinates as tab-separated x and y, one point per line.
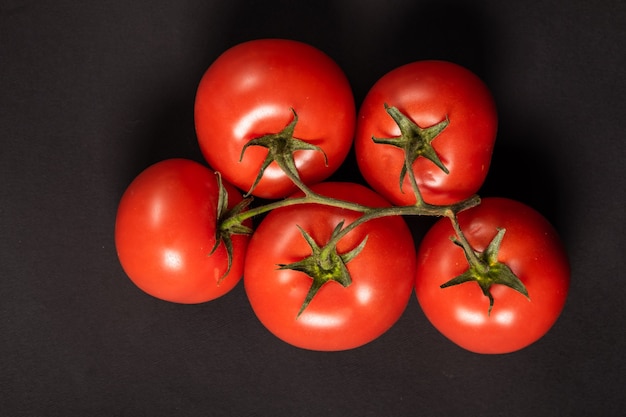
92	93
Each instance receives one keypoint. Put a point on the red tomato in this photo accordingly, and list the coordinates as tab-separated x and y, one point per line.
530	248
165	230
250	91
428	92
338	317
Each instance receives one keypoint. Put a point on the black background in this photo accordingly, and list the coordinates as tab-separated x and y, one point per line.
92	93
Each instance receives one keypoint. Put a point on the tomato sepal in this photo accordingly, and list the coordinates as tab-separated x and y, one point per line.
226	227
281	147
415	141
486	270
324	264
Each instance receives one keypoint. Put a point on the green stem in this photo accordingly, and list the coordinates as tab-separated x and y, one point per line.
369	213
409	167
298	183
470	254
310	197
420	209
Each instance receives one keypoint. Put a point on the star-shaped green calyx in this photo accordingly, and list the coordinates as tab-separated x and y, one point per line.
281	147
225	228
486	270
324	264
415	141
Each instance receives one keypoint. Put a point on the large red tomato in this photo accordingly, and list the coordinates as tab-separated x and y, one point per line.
337	317
431	95
257	88
530	248
165	231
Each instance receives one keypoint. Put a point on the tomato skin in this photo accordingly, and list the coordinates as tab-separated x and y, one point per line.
165	230
428	92
338	318
531	248
249	92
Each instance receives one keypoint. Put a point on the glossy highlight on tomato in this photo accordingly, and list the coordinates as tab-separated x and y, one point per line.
338	317
253	89
533	251
165	231
428	93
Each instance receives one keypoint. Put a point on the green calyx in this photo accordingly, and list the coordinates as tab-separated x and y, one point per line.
414	140
324	264
281	147
223	233
486	270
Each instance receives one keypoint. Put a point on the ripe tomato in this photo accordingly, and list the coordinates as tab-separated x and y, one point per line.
253	89
530	248
166	228
430	94
338	317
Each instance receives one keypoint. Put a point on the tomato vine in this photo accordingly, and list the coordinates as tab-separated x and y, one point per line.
274	119
415	143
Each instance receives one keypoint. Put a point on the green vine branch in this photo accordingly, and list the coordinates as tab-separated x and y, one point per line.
325	263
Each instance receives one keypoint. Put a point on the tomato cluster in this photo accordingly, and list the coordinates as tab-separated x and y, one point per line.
332	265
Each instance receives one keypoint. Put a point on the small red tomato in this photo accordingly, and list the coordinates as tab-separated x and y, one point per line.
532	250
166	229
258	88
340	315
450	115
